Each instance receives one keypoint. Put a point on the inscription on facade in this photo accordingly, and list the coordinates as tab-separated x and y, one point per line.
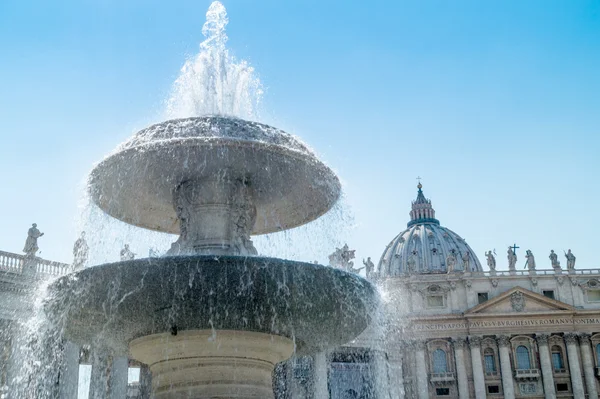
465	325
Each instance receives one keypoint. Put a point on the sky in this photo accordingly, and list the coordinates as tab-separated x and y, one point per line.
495	104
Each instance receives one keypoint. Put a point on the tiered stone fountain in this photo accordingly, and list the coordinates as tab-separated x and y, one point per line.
211	319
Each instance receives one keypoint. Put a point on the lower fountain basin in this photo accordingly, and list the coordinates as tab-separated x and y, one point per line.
110	305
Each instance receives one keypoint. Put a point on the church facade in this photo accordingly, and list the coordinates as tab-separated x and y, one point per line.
452	329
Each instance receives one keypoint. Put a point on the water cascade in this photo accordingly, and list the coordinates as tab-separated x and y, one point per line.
212	318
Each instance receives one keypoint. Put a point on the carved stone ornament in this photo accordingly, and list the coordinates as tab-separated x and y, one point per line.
503	341
560	280
517	301
542	339
468	283
534	281
495	282
571	338
591	284
419	345
574	280
459	342
452	285
435	289
475	341
584	339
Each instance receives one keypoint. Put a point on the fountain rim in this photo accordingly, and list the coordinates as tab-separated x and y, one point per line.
151	147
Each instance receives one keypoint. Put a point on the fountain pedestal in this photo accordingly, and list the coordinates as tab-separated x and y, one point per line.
212	363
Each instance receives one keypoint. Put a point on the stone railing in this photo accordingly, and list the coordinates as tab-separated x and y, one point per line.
527	374
538	272
15	263
441	377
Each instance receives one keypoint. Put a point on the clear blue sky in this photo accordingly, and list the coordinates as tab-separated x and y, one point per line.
496	104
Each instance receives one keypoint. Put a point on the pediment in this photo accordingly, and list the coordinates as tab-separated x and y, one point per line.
519	300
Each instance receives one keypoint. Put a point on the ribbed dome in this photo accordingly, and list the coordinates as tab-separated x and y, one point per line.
426	247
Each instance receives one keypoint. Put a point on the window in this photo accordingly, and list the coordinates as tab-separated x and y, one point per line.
598	354
442	391
440	364
593	295
493	389
523	360
548	293
562	387
489	360
435	301
557	358
482	297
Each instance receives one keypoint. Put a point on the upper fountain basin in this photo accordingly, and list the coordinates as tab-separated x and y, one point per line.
290	185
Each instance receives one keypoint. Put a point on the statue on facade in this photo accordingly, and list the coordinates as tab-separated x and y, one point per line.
512	259
466	258
491	261
530	260
554	260
342	259
369	267
80	252
450	262
31	244
126	253
570	260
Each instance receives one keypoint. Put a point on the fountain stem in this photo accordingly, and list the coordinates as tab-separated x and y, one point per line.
216	216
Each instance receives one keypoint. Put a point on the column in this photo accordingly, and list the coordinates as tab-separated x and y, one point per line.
380	365
145	382
478	376
69	372
99	376
422	376
321	375
505	368
119	373
588	366
395	359
461	369
546	365
574	367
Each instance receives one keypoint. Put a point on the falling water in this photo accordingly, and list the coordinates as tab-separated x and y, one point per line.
213	81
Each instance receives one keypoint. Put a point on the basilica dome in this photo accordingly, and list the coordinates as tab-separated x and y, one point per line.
426	247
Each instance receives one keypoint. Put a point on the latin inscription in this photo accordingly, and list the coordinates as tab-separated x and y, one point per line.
463	325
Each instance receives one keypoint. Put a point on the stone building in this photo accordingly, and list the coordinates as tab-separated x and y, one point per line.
454	330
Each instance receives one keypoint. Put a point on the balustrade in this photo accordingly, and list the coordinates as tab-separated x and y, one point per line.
13	263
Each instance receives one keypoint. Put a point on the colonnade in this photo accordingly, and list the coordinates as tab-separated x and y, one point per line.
582	381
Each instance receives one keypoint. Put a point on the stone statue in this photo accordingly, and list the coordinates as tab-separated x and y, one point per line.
450	262
554	260
80	252
512	259
126	253
31	244
570	260
466	258
369	267
411	262
342	259
530	260
491	261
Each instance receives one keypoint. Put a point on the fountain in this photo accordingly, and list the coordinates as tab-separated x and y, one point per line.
212	318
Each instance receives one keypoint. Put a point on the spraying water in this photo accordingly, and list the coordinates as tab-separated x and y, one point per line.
213	82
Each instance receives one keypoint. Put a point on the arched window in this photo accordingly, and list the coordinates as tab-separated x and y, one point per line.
523	359
440	364
557	358
489	360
